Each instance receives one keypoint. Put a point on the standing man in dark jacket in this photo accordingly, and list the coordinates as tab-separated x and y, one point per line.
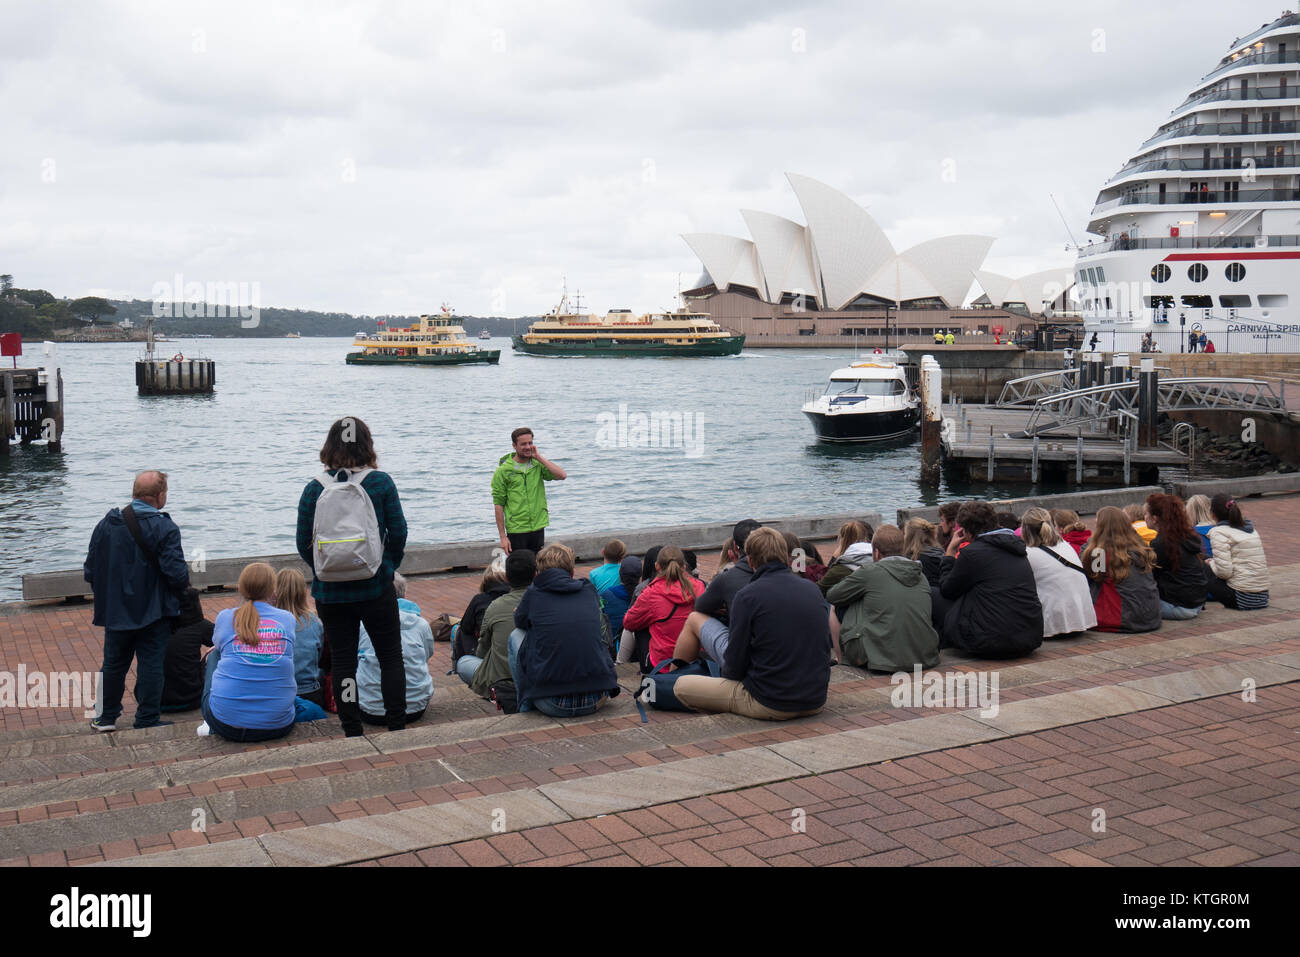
137	587
987	604
778	661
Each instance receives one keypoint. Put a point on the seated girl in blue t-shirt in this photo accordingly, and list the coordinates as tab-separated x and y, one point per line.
249	688
293	595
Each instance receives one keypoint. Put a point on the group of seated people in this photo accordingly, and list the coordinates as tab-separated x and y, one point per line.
769	625
268	664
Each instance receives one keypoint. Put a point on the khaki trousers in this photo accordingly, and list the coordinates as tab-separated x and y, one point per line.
722	694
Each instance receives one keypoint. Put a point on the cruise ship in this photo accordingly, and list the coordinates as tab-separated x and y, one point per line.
1201	227
620	334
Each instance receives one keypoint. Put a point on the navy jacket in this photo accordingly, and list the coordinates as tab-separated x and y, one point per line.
129	593
780	643
566	652
995	611
717	598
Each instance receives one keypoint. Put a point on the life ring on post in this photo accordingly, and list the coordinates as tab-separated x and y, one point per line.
179	357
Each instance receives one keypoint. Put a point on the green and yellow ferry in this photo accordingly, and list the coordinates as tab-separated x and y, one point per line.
433	341
619	334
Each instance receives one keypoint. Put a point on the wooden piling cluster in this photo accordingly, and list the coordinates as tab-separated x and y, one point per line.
27	412
175	377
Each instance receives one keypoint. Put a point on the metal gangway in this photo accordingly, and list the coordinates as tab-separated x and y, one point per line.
1096	406
1027	390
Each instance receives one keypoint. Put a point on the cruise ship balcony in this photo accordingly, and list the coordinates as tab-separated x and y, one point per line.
1189	197
1198	164
1260	127
1123	244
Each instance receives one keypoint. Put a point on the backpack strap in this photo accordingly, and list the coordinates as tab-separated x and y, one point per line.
133	526
1064	561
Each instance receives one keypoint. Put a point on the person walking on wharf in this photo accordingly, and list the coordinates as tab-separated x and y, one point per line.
518	495
136	568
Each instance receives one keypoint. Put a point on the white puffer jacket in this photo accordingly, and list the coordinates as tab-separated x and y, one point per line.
1238	557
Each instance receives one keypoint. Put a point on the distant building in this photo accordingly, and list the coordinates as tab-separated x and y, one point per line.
840	276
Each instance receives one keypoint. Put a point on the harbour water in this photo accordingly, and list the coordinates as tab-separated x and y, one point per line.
730	443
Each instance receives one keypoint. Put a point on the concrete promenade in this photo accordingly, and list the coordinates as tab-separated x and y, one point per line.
1106	750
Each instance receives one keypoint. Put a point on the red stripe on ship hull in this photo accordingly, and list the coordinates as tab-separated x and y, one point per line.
1184	257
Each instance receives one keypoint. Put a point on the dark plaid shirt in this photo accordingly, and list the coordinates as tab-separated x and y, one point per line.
392	529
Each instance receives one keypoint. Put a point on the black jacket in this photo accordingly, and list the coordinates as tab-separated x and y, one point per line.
780	644
565	651
182	666
471	623
717	598
129	590
1186	586
931	560
996	612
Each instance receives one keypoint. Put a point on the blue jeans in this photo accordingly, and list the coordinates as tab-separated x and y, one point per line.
1177	612
549	705
230	732
148	646
466	666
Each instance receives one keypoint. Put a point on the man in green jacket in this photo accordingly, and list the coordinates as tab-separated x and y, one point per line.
518	495
887	622
490	661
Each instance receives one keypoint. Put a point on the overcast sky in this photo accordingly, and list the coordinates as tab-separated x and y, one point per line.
385	157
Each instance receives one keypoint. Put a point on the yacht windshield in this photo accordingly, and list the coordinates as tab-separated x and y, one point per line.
865	387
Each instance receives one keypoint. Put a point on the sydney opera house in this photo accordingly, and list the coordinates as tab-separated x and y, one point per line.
839	275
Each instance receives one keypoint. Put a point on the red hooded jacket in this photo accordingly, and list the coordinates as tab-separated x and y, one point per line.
663	608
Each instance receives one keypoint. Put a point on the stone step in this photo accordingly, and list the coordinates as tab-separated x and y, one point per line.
416	829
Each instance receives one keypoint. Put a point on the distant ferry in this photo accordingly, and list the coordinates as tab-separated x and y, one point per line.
484	334
434	340
1199	226
619	333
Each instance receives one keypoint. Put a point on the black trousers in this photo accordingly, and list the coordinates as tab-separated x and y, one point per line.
530	540
342	624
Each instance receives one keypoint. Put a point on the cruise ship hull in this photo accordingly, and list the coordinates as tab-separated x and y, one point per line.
612	348
482	356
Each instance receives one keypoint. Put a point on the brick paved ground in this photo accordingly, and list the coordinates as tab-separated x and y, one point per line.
1212	783
1204	782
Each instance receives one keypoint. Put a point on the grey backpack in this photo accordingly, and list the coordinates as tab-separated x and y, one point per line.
345	535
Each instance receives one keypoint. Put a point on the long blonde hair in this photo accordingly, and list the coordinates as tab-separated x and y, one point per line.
256	583
1036	527
918	535
1198	510
292	594
1120	544
671	565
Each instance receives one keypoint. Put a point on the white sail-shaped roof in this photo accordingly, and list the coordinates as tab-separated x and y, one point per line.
898	281
727	259
849	246
1035	290
948	263
784	256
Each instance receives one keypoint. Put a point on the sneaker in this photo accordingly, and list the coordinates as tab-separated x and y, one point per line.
203	730
156	724
99	724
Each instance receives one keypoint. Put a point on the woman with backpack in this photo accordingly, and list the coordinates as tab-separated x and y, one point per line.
1121	566
1238	572
665	604
352	533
